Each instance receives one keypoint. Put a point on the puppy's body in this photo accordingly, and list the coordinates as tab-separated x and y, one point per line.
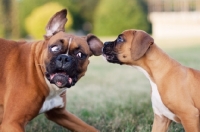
175	88
34	76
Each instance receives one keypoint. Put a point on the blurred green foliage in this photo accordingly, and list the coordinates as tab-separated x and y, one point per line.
36	22
102	17
1	21
81	12
25	9
9	19
114	16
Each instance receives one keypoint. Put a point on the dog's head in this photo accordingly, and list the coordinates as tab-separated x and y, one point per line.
130	46
66	56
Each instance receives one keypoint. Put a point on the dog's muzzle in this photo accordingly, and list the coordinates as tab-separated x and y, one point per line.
109	52
62	71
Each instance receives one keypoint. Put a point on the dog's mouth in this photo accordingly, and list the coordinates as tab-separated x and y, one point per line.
109	57
109	53
112	58
61	79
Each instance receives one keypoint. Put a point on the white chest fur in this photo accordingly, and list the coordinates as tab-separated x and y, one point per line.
158	107
53	100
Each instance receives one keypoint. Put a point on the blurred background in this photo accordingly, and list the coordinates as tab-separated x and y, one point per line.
27	18
112	98
161	18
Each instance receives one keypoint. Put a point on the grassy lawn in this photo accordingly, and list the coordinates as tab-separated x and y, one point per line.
115	98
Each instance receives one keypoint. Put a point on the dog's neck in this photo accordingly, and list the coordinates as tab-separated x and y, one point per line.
39	46
37	60
150	62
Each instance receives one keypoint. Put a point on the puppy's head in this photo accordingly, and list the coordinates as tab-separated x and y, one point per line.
130	46
66	56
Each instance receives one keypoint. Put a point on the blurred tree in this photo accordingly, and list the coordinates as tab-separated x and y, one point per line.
14	17
81	11
1	20
38	19
5	21
9	19
114	16
25	9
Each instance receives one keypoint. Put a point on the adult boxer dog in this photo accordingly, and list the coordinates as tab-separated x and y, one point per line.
34	76
175	88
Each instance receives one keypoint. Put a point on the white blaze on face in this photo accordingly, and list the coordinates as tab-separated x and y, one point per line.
70	41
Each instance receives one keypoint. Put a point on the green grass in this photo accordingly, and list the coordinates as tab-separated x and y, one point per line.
115	98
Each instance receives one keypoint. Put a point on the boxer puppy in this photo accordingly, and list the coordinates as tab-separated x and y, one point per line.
175	88
34	76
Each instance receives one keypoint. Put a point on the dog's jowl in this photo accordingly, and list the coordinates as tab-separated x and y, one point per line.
34	76
175	88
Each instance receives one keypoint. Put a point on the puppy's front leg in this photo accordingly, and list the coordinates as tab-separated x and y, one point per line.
160	124
190	119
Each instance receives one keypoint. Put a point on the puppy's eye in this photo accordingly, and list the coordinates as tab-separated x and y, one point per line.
120	39
55	48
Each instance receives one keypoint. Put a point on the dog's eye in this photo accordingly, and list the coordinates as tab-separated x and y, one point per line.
120	39
81	55
55	48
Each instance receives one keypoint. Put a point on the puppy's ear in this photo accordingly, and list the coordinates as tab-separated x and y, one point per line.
140	44
95	44
56	23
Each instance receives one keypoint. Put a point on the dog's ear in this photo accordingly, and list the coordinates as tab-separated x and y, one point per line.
95	44
56	23
140	44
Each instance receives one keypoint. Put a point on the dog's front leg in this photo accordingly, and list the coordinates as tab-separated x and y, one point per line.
19	109
190	119
160	124
12	127
69	121
66	119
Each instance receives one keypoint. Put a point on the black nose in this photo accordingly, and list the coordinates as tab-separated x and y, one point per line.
108	47
62	60
106	43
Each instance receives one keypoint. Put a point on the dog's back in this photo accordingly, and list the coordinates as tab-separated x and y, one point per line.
7	48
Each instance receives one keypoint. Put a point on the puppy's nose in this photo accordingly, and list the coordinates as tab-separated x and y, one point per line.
106	43
108	46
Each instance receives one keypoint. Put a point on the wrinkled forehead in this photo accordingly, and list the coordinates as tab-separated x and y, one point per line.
129	32
73	40
127	35
66	37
